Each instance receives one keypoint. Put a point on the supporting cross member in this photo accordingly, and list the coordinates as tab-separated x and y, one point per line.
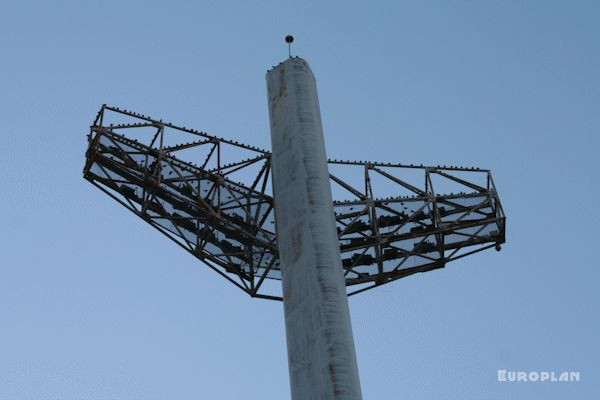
229	225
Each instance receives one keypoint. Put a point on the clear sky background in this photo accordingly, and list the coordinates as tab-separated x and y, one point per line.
94	304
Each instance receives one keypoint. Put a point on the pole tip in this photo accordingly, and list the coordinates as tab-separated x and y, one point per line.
289	39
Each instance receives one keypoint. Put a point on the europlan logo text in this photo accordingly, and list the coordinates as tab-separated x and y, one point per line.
538	376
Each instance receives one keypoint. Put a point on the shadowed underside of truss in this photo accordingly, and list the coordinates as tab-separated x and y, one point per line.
212	196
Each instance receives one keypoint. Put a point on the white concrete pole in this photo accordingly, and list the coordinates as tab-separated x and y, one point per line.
321	355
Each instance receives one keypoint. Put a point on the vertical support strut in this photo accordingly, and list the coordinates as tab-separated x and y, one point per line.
321	355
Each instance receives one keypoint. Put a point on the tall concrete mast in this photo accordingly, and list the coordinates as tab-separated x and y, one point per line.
321	355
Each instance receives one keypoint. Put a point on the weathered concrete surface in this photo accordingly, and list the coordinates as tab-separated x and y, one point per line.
321	353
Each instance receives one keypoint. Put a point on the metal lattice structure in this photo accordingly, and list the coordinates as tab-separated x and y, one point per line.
212	196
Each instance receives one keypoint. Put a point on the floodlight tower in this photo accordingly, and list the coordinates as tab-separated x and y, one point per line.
212	196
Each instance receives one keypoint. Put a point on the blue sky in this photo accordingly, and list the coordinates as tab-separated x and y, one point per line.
94	304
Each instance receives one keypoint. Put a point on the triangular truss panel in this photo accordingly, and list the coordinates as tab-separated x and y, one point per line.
198	203
212	196
392	220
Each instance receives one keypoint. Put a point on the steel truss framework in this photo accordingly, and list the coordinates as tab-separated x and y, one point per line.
217	204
